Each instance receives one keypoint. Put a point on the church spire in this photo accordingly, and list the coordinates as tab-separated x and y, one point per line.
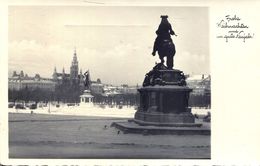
75	56
75	52
74	69
74	60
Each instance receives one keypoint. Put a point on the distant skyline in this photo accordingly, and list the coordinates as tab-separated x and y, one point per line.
114	43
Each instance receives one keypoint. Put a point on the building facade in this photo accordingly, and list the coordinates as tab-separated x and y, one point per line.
21	81
97	88
200	84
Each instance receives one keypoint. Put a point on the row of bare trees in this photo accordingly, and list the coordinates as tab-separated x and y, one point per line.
69	93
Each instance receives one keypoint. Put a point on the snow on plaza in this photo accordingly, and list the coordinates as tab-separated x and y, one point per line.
93	110
85	132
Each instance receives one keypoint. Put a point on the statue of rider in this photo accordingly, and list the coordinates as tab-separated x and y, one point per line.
163	32
87	81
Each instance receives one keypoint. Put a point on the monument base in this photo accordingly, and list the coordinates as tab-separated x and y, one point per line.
132	126
163	119
143	123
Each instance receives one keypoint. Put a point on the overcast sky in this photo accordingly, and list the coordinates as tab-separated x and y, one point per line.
114	43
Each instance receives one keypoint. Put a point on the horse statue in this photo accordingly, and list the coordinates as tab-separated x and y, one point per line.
87	81
167	49
163	43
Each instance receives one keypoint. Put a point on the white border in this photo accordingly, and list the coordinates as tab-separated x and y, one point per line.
223	140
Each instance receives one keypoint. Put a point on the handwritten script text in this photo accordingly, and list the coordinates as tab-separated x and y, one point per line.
233	28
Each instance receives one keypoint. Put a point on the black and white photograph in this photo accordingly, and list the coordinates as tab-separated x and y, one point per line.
107	81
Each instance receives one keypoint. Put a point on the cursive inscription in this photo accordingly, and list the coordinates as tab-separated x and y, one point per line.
232	27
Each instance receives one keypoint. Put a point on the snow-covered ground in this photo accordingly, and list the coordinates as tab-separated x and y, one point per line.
87	133
84	110
62	136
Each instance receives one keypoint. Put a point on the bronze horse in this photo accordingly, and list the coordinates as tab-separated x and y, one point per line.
167	49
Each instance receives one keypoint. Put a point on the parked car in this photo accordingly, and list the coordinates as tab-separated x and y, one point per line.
207	118
10	105
71	104
19	106
33	106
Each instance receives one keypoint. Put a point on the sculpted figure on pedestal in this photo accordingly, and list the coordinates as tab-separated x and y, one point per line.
163	43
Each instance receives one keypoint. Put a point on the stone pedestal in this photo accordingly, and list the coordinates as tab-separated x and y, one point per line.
163	108
164	99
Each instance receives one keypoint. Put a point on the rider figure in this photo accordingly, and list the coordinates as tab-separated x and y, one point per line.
164	32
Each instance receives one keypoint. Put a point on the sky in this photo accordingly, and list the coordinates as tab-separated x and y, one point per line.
113	42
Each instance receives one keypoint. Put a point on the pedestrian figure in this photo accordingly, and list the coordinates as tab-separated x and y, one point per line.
105	127
118	132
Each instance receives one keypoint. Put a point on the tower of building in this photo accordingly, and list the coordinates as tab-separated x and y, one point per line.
81	77
55	75
74	68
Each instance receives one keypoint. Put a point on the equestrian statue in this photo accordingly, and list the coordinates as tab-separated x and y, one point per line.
163	43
